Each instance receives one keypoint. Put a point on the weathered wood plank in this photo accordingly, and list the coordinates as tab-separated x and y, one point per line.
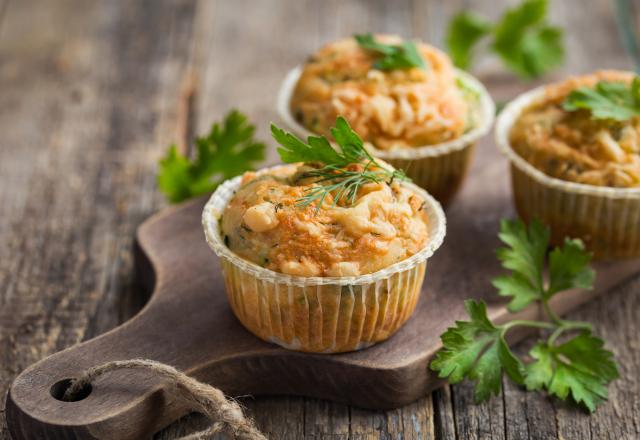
616	320
444	414
86	105
3	9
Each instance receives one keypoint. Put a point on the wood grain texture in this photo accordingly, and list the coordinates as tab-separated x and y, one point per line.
88	95
188	324
85	113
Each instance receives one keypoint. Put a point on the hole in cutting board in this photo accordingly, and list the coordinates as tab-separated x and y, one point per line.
58	389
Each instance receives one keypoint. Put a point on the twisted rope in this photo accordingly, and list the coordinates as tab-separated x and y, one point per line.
225	413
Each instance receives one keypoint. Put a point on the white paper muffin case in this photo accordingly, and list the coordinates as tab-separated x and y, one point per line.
439	168
607	219
321	314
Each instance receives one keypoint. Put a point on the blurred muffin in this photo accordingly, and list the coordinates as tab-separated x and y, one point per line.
423	118
577	173
399	108
572	145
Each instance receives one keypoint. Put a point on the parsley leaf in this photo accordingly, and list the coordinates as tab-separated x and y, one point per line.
517	287
525	257
476	349
580	367
607	100
334	178
318	148
402	56
521	38
465	30
526	44
228	150
569	268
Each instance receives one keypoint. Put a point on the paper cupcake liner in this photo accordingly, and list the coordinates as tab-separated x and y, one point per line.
439	168
323	318
607	219
441	176
321	314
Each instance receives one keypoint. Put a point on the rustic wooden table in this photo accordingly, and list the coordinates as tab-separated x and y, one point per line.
91	93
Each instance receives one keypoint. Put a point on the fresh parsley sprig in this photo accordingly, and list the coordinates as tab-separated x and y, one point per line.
607	100
522	38
578	366
227	151
318	149
342	172
391	57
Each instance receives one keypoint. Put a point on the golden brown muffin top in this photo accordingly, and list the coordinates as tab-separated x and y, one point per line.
264	223
388	108
572	145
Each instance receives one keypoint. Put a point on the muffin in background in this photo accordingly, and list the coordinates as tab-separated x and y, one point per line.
424	118
390	109
576	171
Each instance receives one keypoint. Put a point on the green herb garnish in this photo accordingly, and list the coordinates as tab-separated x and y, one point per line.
336	176
607	100
522	38
227	151
465	30
402	56
578	366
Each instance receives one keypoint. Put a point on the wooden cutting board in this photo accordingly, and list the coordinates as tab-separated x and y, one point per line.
188	324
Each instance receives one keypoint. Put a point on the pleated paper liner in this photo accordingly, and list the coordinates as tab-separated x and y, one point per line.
607	219
439	168
321	314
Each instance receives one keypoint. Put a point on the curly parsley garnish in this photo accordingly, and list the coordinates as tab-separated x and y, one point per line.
343	170
578	366
227	151
607	100
391	57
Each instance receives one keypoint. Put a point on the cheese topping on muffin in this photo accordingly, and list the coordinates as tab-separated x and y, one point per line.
572	145
390	109
265	223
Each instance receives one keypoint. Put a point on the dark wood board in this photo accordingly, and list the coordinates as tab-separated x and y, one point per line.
187	323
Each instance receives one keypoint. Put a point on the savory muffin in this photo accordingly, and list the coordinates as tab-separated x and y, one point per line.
399	108
575	160
404	98
265	224
328	255
572	145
